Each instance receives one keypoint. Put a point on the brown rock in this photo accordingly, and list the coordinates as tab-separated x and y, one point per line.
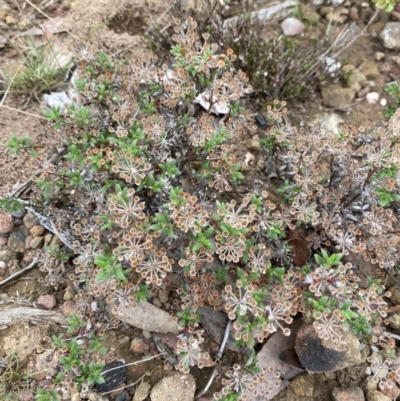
28	241
354	14
376	395
37	243
30	220
37	231
55	243
47	239
47	301
357	80
337	97
146	316
6	256
142	391
6	223
69	293
395	295
177	387
348	394
138	346
394	321
253	144
325	10
303	386
377	27
68	308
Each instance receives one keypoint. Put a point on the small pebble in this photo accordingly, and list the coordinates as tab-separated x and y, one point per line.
3	265
6	223
147	334
383	102
10	20
292	27
47	301
372	97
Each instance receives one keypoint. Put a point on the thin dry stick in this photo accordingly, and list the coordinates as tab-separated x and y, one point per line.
337	54
51	19
341	37
18	273
23	112
132	363
11	82
219	356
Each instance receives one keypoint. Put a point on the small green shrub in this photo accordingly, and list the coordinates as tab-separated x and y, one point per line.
149	192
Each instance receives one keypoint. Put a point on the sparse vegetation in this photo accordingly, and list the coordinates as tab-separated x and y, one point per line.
39	72
134	224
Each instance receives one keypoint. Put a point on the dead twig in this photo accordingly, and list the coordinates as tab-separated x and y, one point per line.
219	356
18	273
15	315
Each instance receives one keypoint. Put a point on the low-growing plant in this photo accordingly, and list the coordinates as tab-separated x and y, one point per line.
278	66
39	72
148	195
393	90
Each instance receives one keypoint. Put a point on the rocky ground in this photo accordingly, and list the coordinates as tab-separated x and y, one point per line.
29	311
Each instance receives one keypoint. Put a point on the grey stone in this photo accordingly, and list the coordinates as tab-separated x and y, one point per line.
6	255
357	80
369	384
390	36
320	356
337	97
394	321
19	214
37	243
15	243
146	316
348	394
292	27
142	391
376	395
177	387
30	220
